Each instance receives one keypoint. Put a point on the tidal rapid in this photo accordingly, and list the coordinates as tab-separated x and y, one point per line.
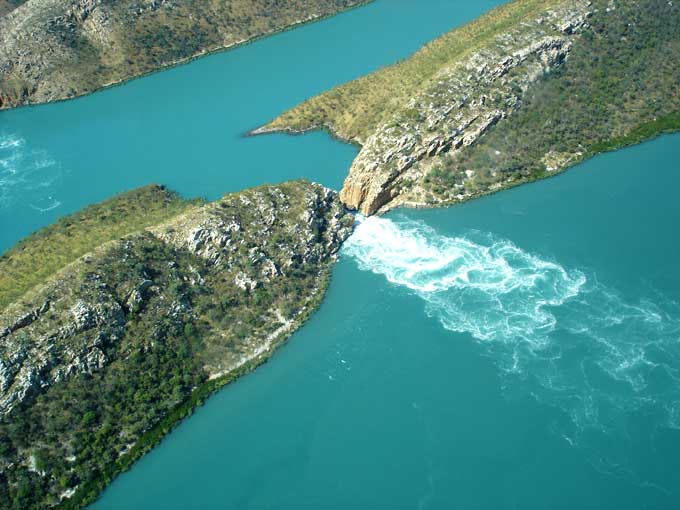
27	174
517	351
554	333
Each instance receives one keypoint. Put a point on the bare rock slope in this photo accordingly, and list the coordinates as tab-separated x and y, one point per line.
114	343
56	49
524	91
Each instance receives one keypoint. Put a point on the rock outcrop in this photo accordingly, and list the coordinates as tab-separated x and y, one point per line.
130	330
56	49
43	352
456	107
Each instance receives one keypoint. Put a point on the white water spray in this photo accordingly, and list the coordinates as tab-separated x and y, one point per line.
27	175
553	333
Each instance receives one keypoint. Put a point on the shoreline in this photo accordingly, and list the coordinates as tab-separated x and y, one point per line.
666	125
325	128
637	136
189	59
91	492
88	494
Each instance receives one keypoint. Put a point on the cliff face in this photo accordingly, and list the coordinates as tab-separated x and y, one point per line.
524	91
108	346
56	49
459	104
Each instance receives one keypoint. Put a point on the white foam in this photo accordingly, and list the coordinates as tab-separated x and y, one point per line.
486	287
565	339
11	141
674	415
27	175
48	205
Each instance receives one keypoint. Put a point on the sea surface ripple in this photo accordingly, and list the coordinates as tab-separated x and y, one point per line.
554	333
27	173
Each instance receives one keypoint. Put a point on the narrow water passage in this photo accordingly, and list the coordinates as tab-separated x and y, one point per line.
523	353
184	127
518	351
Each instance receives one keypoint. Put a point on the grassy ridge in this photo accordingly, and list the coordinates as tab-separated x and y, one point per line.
620	86
354	110
170	322
43	253
63	49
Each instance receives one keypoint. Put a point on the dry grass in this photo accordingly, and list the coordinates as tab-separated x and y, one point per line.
41	254
355	109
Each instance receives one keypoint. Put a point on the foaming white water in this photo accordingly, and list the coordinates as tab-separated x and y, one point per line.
27	175
486	287
11	141
563	338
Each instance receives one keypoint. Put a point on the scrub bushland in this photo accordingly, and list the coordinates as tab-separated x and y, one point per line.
101	358
521	93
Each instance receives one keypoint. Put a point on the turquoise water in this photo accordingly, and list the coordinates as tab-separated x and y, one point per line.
184	127
518	351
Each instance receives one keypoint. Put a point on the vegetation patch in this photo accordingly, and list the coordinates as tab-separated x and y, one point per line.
102	358
620	86
43	253
522	93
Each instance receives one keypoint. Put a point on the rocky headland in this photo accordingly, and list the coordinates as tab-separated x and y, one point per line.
101	358
57	49
521	93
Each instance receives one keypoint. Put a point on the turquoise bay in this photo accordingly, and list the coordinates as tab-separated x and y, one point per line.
518	351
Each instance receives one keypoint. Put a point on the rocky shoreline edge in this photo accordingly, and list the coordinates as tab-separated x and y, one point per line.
186	60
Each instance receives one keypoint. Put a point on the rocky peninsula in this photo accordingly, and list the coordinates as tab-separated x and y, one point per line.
521	93
57	49
99	359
